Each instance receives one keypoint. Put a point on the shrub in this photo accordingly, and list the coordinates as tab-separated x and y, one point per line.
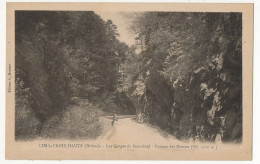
26	124
77	122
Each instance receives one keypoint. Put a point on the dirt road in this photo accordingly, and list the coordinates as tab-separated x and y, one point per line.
127	130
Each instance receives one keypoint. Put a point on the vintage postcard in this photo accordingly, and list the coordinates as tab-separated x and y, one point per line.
138	81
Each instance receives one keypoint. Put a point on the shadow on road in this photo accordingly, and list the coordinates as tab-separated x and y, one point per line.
127	126
156	129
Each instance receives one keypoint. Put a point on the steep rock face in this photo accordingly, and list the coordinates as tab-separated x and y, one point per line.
124	104
158	100
152	97
191	84
117	102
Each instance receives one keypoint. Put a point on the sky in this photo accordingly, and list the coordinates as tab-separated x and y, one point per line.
123	22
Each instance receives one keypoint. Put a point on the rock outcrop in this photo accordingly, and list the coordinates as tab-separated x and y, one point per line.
191	78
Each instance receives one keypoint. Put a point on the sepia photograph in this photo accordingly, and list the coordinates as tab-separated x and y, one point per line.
76	77
130	80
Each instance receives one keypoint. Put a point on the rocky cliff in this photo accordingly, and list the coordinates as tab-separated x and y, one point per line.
190	78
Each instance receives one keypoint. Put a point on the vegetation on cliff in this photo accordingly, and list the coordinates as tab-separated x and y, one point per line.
189	80
184	74
63	59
